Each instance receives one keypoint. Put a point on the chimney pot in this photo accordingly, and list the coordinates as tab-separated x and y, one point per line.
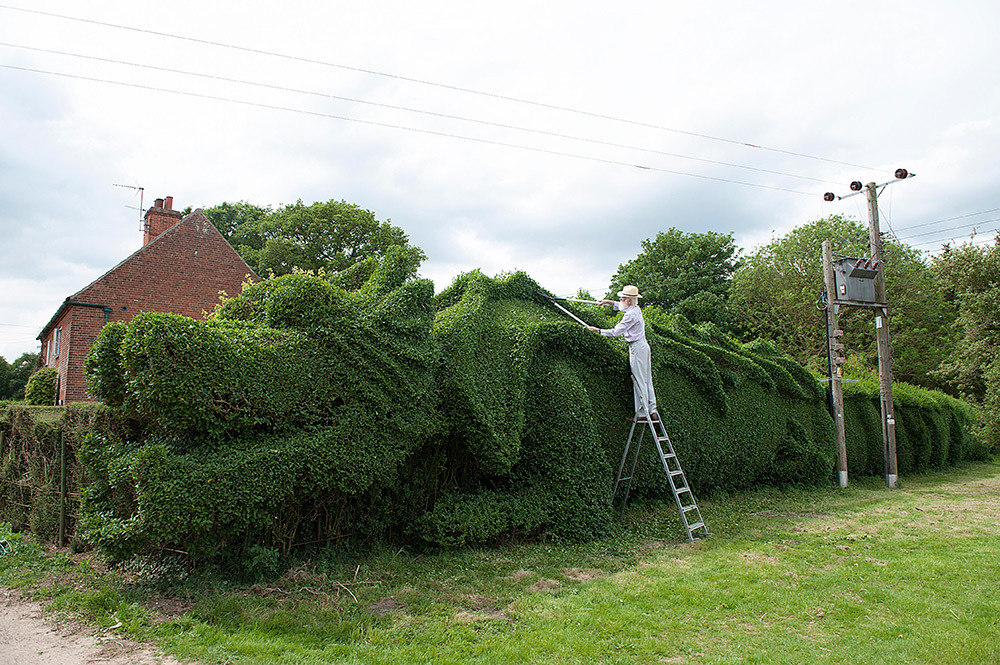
158	203
168	203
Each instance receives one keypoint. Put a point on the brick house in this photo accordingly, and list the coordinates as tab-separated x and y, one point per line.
181	267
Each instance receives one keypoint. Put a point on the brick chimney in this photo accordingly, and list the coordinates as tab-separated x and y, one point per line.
159	218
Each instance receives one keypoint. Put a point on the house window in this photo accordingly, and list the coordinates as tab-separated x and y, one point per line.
56	338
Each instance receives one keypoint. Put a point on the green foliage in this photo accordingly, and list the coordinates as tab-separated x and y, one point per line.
684	273
538	408
459	519
773	295
41	387
305	411
30	447
296	400
103	365
933	430
330	236
971	277
14	376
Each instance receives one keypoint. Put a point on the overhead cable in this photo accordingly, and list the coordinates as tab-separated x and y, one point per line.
949	219
413	110
952	238
418	130
949	229
446	86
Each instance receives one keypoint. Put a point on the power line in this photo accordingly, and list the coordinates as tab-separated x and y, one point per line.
418	130
413	110
952	238
408	79
949	219
951	228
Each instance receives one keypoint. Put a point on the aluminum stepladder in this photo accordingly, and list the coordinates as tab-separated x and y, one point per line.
683	496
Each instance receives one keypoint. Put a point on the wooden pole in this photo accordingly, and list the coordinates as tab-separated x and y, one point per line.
62	490
882	338
835	347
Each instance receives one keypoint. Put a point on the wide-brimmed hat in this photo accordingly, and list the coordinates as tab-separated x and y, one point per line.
629	291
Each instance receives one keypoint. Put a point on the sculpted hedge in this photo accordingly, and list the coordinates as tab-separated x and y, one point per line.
313	408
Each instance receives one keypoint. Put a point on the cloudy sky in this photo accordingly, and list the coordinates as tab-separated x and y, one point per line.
551	137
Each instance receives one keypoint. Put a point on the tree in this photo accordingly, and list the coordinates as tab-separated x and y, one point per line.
239	223
775	292
971	278
330	236
14	376
686	273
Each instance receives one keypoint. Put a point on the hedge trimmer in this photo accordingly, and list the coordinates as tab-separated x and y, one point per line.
553	299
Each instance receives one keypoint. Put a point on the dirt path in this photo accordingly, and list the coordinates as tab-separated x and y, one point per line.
26	638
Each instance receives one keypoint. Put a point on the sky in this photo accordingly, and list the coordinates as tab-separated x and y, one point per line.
550	137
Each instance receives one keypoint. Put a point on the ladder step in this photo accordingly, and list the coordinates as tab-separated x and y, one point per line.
662	441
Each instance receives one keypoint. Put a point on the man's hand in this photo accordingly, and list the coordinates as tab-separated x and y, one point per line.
607	302
593	329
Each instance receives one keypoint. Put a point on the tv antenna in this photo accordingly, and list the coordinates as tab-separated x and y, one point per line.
140	190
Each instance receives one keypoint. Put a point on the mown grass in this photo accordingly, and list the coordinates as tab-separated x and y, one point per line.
862	575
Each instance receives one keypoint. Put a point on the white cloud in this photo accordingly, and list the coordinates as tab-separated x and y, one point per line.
907	85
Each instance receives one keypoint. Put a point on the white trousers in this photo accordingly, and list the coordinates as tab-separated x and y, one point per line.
642	369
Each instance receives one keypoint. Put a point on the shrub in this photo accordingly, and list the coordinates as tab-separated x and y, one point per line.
933	430
41	387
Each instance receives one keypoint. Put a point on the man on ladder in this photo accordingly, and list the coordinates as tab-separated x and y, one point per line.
633	328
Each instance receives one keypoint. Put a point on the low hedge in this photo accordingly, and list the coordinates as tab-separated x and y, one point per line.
932	429
30	459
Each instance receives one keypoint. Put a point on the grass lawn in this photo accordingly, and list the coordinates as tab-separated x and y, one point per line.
860	575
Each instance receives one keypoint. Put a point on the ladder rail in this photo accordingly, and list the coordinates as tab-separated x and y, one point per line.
689	525
677	488
621	467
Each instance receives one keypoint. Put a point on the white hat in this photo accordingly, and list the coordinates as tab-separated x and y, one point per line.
629	291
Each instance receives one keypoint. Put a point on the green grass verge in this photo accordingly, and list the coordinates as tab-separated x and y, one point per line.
861	575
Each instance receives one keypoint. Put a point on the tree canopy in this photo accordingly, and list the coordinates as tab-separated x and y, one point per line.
330	236
970	276
775	292
684	273
14	376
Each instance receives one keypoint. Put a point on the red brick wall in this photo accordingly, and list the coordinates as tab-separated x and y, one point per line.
59	359
78	327
180	271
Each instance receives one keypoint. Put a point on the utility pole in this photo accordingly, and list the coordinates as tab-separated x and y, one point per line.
882	338
876	299
835	348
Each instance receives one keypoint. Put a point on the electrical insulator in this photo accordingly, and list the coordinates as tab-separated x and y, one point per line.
829	196
901	174
856	185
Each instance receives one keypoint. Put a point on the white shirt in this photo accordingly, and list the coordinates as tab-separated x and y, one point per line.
631	326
